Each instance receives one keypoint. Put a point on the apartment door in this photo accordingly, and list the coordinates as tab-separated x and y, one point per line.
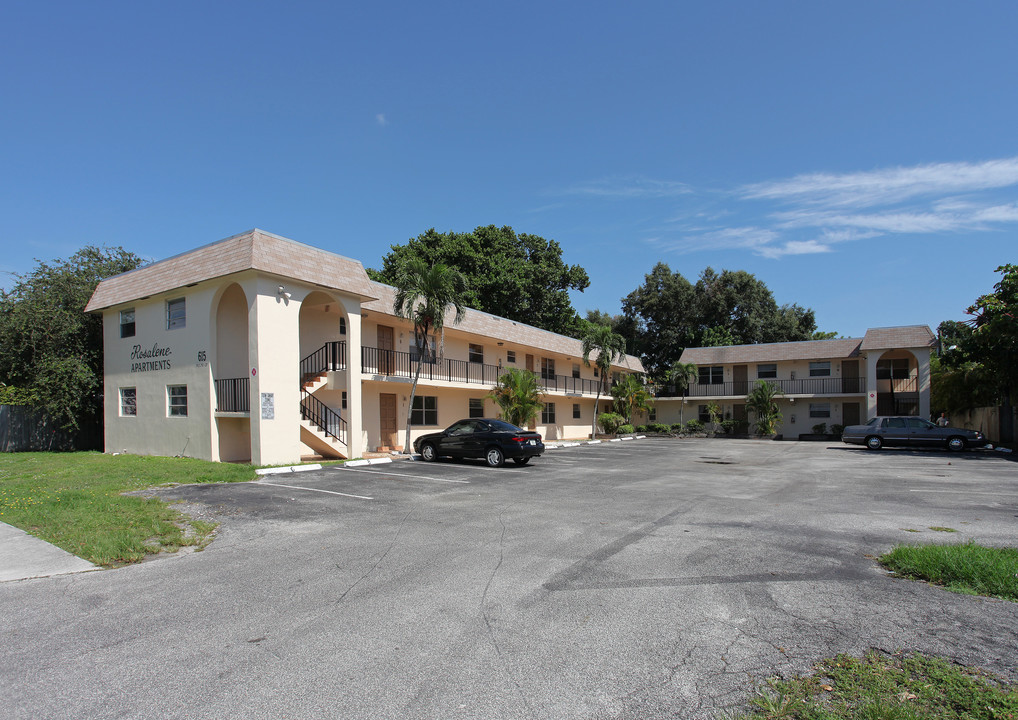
850	378
739	416
740	374
530	363
850	414
387	420
385	350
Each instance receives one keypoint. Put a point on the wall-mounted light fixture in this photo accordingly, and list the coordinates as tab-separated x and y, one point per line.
281	292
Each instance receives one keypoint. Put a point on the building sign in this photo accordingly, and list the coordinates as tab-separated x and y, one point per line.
268	406
144	360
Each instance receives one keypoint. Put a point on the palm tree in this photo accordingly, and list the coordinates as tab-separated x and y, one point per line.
680	375
609	347
424	294
631	397
760	402
516	392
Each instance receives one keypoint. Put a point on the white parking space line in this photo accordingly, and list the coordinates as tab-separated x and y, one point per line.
298	487
412	477
962	491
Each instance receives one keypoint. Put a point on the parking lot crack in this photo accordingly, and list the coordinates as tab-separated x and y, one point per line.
392	544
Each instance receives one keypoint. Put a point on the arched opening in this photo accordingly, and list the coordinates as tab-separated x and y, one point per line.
897	383
230	372
322	321
323	352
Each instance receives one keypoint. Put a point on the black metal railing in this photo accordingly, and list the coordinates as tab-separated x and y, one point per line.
331	356
322	416
396	363
741	388
233	395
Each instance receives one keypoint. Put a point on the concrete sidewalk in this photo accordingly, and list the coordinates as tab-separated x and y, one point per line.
23	556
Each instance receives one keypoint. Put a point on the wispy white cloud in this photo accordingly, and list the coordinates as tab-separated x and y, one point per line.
886	186
380	119
793	247
629	187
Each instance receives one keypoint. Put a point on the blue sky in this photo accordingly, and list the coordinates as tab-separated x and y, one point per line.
860	158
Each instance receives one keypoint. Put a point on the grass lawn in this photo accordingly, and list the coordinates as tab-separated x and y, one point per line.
887	687
965	567
74	501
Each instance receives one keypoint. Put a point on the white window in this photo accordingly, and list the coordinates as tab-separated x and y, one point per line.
127	323
897	368
342	326
819	410
548	368
576	370
548	414
767	370
425	410
176	314
476	353
510	356
128	402
476	408
176	400
820	369
576	411
652	414
430	349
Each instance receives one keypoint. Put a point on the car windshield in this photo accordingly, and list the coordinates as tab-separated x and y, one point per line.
874	421
503	425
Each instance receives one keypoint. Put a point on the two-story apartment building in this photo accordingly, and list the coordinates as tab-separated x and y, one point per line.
259	348
835	382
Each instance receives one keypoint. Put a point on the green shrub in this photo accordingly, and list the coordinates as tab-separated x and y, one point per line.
728	426
658	427
643	428
694	426
610	422
836	430
678	427
625	430
820	429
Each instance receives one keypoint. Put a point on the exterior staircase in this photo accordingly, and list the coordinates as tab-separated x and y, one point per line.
321	428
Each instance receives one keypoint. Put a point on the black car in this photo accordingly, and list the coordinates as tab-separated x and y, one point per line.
910	432
493	440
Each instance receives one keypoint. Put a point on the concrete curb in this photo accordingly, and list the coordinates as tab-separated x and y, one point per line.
290	469
372	461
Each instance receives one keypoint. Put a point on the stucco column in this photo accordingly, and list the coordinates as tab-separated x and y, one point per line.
274	342
923	358
871	385
355	407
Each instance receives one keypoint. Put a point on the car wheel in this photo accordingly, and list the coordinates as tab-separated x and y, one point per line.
428	452
494	457
956	444
874	443
521	461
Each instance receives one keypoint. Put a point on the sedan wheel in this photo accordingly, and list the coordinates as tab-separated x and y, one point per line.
521	461
956	444
428	452
874	443
494	457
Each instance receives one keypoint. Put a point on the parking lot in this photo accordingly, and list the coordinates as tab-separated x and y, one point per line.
651	578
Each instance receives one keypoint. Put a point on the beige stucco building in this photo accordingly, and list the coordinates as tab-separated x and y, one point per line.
259	348
834	382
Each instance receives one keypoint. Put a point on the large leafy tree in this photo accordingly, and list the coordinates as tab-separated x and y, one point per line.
994	340
517	276
424	293
607	347
50	350
663	310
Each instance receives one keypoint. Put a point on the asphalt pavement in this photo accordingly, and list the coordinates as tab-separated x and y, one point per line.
648	579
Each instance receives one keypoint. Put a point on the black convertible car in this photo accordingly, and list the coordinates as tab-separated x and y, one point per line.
493	440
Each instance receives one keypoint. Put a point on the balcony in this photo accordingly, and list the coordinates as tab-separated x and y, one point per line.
742	388
233	395
394	363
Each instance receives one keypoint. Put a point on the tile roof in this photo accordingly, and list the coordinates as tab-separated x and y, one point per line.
253	250
773	352
905	336
490	326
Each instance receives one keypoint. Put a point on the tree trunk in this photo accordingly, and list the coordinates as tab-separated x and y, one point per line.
407	448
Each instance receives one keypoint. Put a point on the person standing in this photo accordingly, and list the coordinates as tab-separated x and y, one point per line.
942	420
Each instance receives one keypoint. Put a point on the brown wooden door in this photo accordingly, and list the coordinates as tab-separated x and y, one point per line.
740	374
850	414
385	350
387	420
739	416
530	363
850	378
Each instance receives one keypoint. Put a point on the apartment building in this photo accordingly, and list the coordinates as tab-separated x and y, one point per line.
259	348
834	382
